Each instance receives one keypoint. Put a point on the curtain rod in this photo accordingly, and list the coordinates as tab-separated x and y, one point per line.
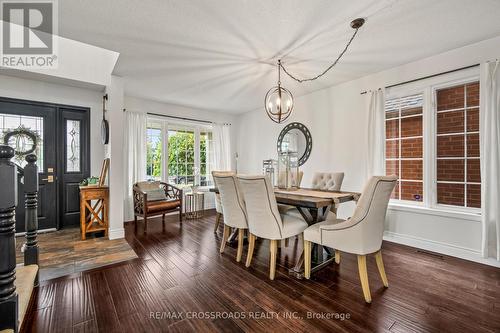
425	77
182	118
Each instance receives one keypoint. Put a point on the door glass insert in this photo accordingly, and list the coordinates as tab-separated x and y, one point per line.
72	145
25	135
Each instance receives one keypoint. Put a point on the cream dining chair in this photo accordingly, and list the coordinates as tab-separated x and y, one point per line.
361	234
218	203
264	219
283	209
329	181
234	209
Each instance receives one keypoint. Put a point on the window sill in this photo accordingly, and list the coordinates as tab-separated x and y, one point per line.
475	217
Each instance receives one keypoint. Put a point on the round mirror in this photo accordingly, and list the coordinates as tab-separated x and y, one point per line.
295	137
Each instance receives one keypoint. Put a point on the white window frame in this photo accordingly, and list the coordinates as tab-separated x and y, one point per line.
167	125
429	88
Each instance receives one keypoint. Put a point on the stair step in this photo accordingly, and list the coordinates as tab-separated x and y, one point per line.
25	280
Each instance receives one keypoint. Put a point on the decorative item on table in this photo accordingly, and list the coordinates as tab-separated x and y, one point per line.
288	170
196	181
90	181
269	168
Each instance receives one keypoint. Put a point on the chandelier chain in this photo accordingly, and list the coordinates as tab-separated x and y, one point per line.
326	70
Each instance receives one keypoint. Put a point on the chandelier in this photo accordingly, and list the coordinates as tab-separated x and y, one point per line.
279	100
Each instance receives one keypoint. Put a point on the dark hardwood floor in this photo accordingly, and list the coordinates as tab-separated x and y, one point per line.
180	275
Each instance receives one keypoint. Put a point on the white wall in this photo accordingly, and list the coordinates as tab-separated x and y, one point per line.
115	151
337	118
148	106
35	90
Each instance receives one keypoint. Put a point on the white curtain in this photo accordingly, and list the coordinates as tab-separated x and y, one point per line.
222	147
376	134
134	156
489	128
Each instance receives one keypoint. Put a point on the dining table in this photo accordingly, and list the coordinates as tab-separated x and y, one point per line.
314	206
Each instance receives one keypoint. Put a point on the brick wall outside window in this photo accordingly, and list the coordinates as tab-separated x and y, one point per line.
457	146
404	146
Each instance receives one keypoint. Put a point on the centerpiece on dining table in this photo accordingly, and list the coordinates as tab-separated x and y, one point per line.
288	170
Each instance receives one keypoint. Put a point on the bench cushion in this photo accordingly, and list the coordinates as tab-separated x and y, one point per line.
25	279
163	205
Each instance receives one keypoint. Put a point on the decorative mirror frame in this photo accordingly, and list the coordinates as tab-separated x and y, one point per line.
301	127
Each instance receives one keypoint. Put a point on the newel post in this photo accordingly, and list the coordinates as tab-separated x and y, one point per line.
8	203
31	212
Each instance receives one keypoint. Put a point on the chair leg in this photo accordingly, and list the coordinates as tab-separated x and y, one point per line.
145	222
363	276
381	269
337	257
241	235
307	259
286	242
251	246
274	251
217	221
180	215
225	236
163	218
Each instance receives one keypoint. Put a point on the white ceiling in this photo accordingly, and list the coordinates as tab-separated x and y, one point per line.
219	54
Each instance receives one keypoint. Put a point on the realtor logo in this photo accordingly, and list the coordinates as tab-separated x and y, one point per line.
28	31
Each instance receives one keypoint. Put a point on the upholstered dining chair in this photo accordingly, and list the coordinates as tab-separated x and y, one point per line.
361	234
329	181
218	203
234	209
218	211
264	219
283	209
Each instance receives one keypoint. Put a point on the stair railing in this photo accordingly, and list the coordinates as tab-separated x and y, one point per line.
8	203
9	172
31	212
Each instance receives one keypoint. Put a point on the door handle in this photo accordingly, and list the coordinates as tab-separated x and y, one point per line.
49	179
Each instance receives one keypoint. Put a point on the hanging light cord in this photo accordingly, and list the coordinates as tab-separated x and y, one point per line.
356	26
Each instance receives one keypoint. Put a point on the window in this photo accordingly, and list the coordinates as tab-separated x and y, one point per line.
458	169
187	154
432	144
404	147
11	122
72	145
153	152
181	157
206	151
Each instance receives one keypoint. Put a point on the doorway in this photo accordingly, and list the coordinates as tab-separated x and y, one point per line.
60	137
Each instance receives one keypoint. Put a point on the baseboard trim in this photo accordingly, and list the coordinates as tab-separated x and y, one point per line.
439	247
116	233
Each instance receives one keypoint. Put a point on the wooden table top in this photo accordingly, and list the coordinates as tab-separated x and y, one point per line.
310	198
93	187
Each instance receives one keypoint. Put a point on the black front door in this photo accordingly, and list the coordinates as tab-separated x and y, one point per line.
74	164
62	147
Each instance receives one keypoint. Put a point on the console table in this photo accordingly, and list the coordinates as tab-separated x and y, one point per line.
94	217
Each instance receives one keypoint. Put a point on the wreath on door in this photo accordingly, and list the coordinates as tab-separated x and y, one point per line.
23	140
